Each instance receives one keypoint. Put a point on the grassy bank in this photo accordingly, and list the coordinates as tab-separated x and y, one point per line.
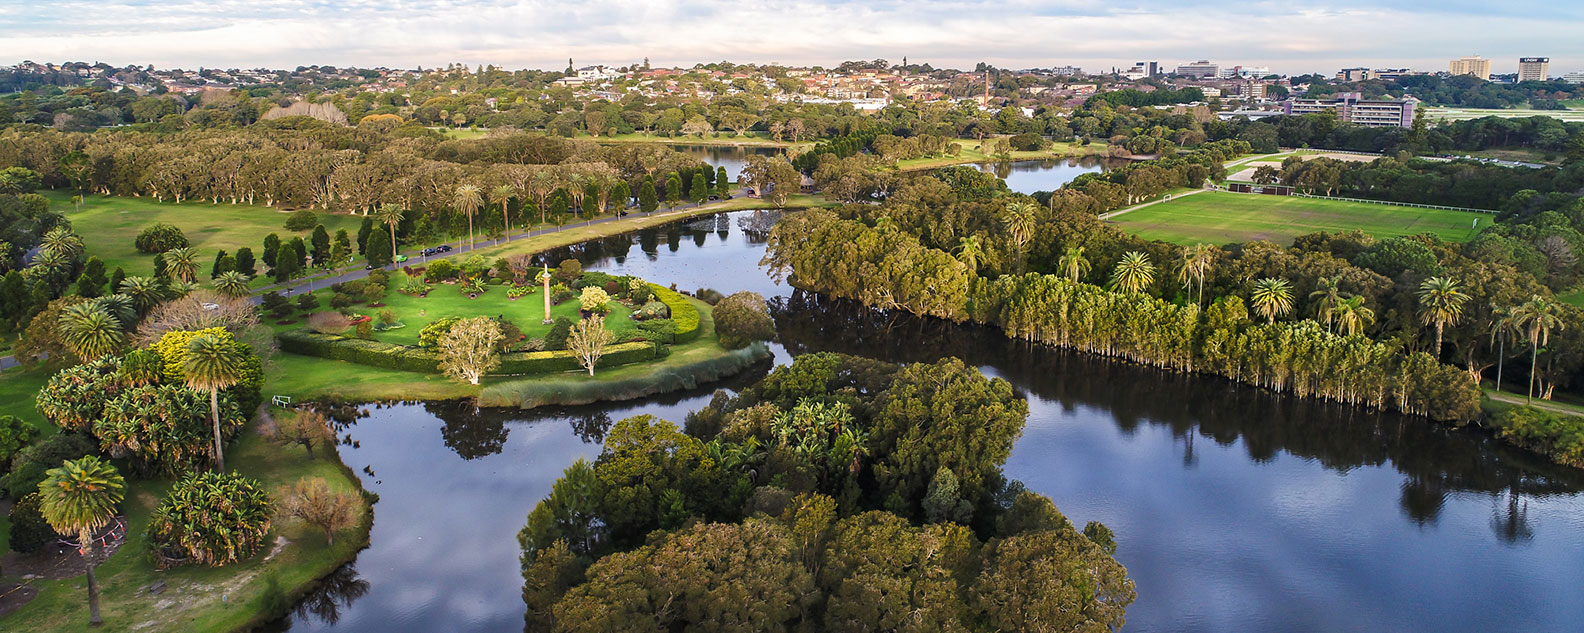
229	598
1221	217
109	224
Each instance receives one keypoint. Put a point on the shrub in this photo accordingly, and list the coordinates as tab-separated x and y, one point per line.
568	270
329	323
659	330
561	294
651	310
165	429
594	300
430	335
440	270
354	287
387	317
340	300
277	304
365	329
29	530
373	293
379	276
307	302
597	280
709	295
638	291
371	353
472	285
683	312
475	266
210	519
742	319
1560	437
416	288
556	338
302	220
516	292
15	434
158	238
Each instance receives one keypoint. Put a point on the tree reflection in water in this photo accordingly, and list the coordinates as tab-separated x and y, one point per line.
333	593
1435	460
468	430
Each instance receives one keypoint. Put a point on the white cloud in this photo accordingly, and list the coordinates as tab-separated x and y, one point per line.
1293	37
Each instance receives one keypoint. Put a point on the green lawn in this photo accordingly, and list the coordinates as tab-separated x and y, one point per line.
1573	297
1221	218
109	225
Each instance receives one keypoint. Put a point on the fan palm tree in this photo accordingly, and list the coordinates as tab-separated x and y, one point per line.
1134	273
391	215
79	498
1351	315
1536	318
1503	325
1019	221
182	262
1073	264
211	364
467	200
62	241
503	195
1329	291
119	306
1196	263
232	284
90	331
1272	297
1440	303
143	291
57	263
970	251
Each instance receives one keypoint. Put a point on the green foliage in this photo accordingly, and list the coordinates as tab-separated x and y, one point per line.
549	391
75	397
682	312
560	330
158	238
165	429
429	337
743	318
29	530
1560	437
439	270
657	329
424	360
943	501
28	467
14	435
302	220
210	519
1390	257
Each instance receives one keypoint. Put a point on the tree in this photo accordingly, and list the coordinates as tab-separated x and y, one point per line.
391	215
648	200
1197	260
1440	303
245	263
588	339
1330	296
1073	264
158	238
743	318
722	187
1134	273
379	252
1272	297
232	284
469	350
1351	316
211	519
286	266
1503	326
320	241
90	331
467	201
594	300
1019	221
1536	318
77	499
313	502
970	251
698	190
306	428
503	195
673	191
92	282
211	364
183	263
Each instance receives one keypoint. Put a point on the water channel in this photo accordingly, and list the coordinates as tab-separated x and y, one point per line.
1234	510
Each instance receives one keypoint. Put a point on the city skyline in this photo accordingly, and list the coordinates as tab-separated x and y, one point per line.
1289	39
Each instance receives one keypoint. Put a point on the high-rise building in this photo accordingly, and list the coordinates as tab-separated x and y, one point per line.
1201	68
1473	65
1533	68
1151	69
1350	75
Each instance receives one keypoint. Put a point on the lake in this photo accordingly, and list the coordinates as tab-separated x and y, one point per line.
732	157
1233	508
1029	176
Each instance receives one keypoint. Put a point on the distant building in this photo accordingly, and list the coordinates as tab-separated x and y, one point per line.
1533	68
1067	71
1575	77
1201	68
1248	88
1350	107
1388	74
1350	75
1150	69
1476	66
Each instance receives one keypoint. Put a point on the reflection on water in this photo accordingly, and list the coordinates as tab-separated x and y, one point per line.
732	157
1235	509
1029	176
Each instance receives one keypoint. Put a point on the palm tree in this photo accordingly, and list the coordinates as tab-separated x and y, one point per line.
1503	325
503	195
970	251
391	215
468	200
1328	290
1272	297
182	262
232	284
1351	315
62	241
211	364
1073	264
1019	221
90	331
1536	318
145	292
1440	303
1196	263
1134	273
79	498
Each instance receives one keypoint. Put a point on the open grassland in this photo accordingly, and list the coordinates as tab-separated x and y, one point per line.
1463	114
109	225
1221	217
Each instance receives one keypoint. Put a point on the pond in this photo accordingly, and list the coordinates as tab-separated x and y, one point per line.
1029	176
732	157
1234	509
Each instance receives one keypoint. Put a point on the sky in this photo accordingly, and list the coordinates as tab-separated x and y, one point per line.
1293	36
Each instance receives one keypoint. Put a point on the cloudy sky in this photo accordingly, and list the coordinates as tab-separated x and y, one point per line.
1290	36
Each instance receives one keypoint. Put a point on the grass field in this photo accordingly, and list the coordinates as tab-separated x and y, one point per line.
108	226
1462	114
1220	217
1573	297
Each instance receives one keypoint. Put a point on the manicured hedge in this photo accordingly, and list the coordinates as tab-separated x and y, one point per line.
682	312
417	359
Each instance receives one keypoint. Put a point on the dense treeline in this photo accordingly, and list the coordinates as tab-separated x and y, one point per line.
836	494
1138	98
1461	90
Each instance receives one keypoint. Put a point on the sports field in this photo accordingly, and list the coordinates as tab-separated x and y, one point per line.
109	225
1220	218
